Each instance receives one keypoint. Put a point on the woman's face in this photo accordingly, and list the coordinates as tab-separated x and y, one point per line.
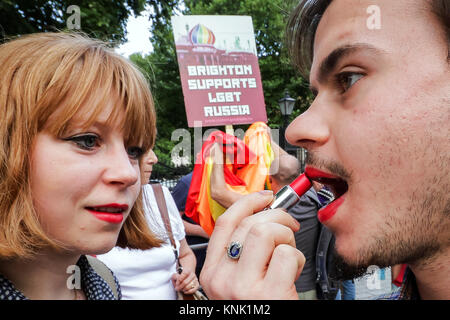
148	160
85	183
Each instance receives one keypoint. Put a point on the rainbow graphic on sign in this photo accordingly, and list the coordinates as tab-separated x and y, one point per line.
201	35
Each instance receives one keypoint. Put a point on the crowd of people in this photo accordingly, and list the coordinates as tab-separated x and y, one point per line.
77	132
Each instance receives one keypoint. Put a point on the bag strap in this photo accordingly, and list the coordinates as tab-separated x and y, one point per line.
161	201
103	271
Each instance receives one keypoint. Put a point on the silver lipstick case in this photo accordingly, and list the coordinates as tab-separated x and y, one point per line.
286	198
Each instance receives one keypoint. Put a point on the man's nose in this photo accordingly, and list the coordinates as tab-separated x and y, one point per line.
310	129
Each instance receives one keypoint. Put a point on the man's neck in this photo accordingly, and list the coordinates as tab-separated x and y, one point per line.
432	278
43	277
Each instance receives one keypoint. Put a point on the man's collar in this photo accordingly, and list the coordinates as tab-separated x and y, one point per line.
409	290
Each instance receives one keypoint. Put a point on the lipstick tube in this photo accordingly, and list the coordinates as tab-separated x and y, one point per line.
289	195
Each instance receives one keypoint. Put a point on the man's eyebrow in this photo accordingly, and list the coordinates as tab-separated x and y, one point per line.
331	61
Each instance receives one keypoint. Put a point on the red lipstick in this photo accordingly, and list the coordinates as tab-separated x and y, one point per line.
329	210
315	173
112	212
289	195
339	187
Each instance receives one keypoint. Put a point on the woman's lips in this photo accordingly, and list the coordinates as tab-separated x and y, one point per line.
112	213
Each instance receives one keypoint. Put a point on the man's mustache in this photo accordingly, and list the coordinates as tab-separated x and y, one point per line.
330	166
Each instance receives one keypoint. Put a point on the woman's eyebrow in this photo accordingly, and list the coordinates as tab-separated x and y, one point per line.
328	64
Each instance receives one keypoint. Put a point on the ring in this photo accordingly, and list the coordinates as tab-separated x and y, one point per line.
234	250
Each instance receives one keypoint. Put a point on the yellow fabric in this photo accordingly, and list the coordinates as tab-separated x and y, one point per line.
255	175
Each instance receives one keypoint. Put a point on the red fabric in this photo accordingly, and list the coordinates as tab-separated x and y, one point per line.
235	149
399	280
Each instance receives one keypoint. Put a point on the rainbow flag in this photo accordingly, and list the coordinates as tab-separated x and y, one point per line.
247	171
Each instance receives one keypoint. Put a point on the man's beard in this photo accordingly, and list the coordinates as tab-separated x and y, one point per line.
344	270
389	249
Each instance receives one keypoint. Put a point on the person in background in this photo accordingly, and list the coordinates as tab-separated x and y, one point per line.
151	274
345	289
284	170
194	232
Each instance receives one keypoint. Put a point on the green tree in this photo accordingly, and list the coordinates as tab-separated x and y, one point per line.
269	20
161	70
102	19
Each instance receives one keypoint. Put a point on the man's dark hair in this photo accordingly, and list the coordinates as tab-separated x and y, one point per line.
305	18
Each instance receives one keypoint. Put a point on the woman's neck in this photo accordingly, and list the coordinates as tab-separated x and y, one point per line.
43	277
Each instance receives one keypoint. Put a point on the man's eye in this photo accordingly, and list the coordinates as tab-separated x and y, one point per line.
347	79
86	142
135	152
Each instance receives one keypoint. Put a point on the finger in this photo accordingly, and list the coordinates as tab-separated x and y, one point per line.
174	278
228	221
180	280
188	281
278	216
191	288
284	269
258	248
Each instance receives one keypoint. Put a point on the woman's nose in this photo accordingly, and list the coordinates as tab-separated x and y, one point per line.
151	158
121	169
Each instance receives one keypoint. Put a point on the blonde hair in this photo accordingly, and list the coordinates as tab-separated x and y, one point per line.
46	72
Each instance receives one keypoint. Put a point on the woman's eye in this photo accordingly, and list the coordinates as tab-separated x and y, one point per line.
347	79
86	142
135	152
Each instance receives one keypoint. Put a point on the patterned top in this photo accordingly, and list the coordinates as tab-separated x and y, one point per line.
93	286
408	290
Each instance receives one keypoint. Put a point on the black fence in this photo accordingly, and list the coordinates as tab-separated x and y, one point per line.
168	175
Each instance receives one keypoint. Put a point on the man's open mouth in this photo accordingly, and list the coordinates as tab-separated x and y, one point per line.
337	185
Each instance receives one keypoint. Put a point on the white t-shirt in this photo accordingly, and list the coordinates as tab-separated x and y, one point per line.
146	274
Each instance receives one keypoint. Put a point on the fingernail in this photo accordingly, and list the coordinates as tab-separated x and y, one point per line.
266	192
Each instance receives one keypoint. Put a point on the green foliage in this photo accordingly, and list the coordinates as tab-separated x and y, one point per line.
161	68
102	19
107	20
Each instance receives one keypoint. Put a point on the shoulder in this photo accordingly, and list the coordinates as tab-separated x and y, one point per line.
99	281
187	179
147	189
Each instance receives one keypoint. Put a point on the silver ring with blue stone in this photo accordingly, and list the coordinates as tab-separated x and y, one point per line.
234	250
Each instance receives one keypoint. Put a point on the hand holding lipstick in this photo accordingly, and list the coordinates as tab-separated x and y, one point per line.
268	263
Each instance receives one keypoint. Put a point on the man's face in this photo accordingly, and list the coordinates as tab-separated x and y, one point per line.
380	121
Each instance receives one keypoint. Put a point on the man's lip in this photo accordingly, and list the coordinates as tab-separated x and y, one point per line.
337	184
314	173
330	210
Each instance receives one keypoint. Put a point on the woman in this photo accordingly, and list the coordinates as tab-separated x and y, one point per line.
151	274
76	120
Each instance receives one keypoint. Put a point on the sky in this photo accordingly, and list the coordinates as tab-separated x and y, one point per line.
138	34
